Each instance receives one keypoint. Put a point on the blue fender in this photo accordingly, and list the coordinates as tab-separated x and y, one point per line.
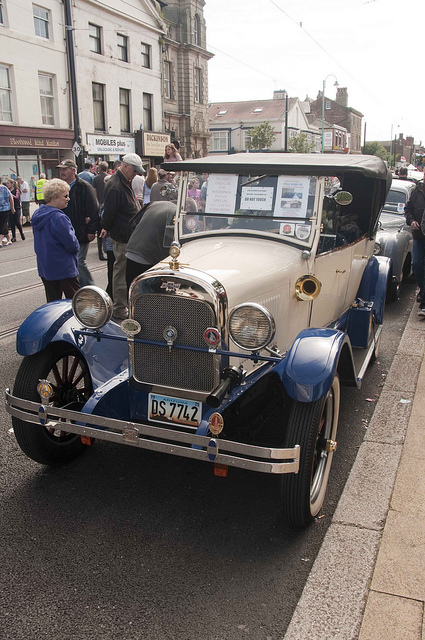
55	322
309	368
373	287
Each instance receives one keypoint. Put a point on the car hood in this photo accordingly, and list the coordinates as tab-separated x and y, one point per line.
248	268
391	221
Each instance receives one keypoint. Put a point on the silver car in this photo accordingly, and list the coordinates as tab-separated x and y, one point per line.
394	238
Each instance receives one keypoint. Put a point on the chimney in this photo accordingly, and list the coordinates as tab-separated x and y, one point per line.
279	94
342	96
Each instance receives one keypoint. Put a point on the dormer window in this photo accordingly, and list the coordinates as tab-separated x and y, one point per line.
222	113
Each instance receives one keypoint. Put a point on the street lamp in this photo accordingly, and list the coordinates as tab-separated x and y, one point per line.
391	143
323	105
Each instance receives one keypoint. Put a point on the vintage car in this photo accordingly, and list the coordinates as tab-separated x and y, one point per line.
394	238
235	348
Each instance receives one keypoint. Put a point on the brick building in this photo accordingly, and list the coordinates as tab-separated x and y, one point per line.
337	112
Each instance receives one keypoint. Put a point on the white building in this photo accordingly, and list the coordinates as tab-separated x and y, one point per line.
231	123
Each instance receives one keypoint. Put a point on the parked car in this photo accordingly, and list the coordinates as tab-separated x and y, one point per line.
235	350
394	237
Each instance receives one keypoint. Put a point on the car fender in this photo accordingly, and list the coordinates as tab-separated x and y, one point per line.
395	246
55	322
309	368
373	286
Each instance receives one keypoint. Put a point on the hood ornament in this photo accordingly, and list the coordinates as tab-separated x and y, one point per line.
170	334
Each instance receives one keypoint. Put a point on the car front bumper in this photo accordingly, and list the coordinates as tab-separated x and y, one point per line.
164	440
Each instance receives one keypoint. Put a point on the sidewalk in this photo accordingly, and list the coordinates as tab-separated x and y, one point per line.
368	580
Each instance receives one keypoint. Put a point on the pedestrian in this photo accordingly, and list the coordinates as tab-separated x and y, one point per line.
55	243
151	178
99	186
83	211
15	217
149	243
194	191
39	189
158	187
6	208
119	206
87	174
414	212
171	154
25	200
137	185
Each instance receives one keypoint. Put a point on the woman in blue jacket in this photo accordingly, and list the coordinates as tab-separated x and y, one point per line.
55	243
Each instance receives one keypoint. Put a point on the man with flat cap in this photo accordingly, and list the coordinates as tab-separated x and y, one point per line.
119	206
83	211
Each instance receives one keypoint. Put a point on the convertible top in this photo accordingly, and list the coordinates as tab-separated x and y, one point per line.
288	163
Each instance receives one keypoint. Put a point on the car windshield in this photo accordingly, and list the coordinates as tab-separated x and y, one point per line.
395	202
279	205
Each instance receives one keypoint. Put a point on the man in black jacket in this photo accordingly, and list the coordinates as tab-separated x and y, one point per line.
119	206
83	211
414	212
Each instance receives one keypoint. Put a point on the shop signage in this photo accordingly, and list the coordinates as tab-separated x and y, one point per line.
31	142
116	145
155	143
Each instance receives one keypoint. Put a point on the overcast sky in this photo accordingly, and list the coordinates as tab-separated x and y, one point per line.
375	48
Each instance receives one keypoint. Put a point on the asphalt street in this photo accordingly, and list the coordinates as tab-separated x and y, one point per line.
127	544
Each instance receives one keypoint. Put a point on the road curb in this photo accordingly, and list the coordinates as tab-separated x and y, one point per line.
334	597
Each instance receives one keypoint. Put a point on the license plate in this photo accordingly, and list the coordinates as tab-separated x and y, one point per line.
174	410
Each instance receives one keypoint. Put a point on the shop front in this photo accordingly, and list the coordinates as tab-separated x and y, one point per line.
27	152
150	145
107	148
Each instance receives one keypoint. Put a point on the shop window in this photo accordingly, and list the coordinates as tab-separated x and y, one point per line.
95	38
146	55
45	83
41	21
5	95
125	110
98	91
168	80
147	112
122	44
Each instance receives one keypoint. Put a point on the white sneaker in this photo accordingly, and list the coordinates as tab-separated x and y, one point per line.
421	311
4	241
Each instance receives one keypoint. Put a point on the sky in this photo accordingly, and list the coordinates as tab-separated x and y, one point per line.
375	48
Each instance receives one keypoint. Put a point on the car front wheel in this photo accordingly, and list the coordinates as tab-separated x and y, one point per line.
312	425
66	370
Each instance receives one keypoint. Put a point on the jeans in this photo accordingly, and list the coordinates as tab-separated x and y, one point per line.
84	274
418	264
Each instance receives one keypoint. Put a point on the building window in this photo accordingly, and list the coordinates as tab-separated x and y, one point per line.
1	12
219	141
45	83
5	95
125	110
328	105
41	21
197	30
146	55
122	43
168	80
95	38
98	106
247	139
198	76
147	112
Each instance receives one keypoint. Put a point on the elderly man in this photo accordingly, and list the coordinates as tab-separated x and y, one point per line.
119	206
83	211
156	188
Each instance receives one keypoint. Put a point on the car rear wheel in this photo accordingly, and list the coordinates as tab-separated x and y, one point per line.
312	425
65	368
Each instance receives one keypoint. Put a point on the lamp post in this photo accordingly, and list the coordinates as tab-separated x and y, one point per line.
391	143
323	105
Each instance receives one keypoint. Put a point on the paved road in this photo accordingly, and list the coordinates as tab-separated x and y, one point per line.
126	544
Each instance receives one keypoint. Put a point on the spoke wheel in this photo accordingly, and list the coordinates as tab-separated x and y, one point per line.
312	425
66	370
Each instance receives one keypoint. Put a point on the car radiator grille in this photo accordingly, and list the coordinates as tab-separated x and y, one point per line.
176	367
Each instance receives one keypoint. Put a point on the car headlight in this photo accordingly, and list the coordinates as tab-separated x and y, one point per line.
92	307
251	326
377	249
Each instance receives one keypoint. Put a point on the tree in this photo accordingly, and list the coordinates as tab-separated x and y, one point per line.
376	149
299	144
262	137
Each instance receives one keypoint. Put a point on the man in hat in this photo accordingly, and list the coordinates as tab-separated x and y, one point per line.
119	206
83	211
156	188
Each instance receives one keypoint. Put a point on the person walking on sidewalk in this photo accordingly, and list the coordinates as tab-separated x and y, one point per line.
83	211
25	199
414	212
119	206
55	243
39	189
15	218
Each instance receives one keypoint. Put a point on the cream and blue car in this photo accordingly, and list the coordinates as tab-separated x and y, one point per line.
237	346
